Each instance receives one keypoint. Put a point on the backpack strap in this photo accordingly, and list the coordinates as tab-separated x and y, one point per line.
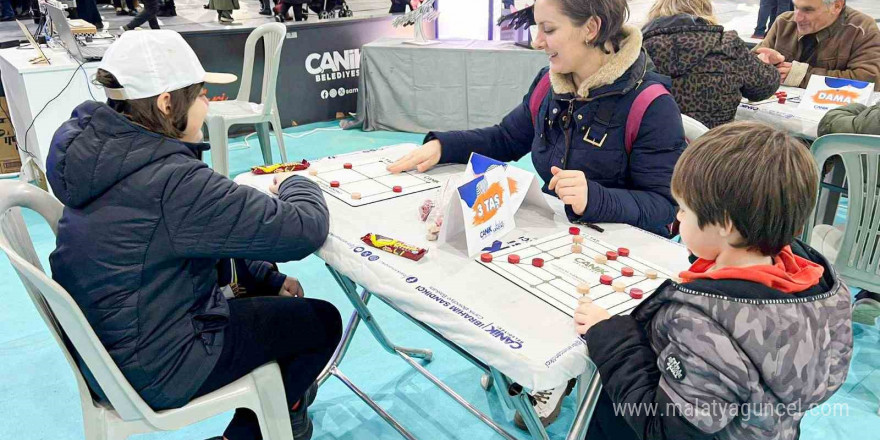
637	112
538	95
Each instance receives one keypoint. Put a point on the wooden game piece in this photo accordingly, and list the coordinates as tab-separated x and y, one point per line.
334	184
486	257
513	259
619	286
355	196
782	99
627	271
583	289
538	262
577	239
347	166
313	172
611	255
601	259
636	293
606	279
574	230
397	189
576	248
651	274
623	252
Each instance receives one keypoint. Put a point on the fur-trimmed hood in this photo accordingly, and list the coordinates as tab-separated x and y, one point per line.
617	65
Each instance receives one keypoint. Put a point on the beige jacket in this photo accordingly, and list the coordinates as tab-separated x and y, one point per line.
849	48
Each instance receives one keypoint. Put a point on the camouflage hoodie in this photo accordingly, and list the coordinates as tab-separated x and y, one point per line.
732	359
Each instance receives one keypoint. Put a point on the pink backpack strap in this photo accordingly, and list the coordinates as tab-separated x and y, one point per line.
538	95
637	112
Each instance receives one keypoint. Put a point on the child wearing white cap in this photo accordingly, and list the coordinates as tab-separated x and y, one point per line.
145	224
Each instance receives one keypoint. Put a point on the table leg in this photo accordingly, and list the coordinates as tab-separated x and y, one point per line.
362	313
588	395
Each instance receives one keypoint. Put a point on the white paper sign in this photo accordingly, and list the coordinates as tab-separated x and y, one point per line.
825	93
484	209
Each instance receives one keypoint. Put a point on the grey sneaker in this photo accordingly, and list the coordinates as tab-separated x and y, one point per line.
866	309
299	419
547	404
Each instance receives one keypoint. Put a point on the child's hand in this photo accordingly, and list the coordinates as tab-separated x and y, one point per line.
291	287
277	180
588	315
570	187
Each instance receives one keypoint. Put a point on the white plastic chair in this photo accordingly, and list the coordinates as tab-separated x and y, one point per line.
224	114
692	128
262	390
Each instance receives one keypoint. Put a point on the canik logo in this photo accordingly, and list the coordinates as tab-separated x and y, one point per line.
589	266
329	66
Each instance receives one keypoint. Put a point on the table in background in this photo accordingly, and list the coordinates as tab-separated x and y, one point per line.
453	85
784	116
29	89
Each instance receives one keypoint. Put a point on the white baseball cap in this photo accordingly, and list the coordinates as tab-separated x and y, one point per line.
149	63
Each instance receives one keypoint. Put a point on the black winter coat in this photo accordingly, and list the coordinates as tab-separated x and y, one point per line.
144	224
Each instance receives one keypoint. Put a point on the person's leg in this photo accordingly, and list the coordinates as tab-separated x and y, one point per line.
282	14
606	424
151	8
6	11
88	11
765	9
300	334
298	13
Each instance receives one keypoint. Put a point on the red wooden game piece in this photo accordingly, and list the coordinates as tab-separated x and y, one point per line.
513	259
636	293
611	255
574	230
606	279
486	257
397	189
347	166
538	262
623	252
627	271
782	99
334	184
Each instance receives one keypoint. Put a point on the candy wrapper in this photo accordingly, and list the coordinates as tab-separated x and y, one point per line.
281	168
394	246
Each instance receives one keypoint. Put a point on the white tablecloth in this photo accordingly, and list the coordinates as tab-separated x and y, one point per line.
486	315
784	116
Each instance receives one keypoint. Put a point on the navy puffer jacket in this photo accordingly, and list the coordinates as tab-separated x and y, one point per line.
622	188
144	224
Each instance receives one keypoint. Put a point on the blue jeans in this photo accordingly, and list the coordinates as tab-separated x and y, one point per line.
768	11
6	9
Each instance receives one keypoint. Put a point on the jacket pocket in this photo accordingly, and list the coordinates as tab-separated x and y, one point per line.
213	318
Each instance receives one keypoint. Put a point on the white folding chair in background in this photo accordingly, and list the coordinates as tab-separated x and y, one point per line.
692	128
126	414
224	114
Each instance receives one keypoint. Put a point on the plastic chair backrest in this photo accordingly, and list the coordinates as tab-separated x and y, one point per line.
859	254
63	316
273	35
692	128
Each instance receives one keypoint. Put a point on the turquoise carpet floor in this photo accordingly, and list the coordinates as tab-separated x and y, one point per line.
39	400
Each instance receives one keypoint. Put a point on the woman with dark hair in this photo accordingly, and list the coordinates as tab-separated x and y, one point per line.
574	120
147	225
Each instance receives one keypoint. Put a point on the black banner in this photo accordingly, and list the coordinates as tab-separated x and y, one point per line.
319	71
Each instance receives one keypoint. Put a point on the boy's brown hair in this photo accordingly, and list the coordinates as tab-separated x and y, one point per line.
146	113
760	180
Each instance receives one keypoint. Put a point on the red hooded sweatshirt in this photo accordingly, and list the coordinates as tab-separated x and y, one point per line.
789	273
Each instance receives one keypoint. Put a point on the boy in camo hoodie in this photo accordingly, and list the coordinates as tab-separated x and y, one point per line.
759	330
